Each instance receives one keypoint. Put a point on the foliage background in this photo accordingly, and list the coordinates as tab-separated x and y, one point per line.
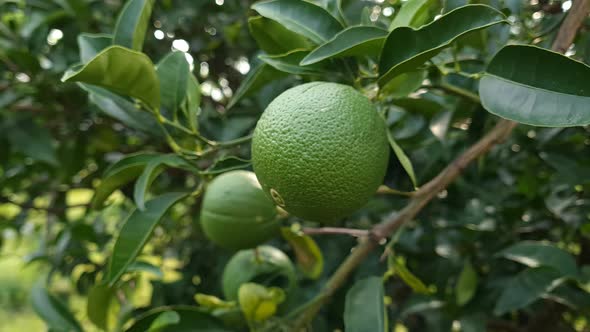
55	145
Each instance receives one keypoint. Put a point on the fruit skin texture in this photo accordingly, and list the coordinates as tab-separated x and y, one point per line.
320	150
236	214
271	268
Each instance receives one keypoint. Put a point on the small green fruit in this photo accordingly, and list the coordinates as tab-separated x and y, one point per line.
236	214
270	267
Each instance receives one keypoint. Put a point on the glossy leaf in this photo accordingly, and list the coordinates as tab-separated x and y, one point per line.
466	285
364	308
403	158
91	44
404	84
123	71
538	87
119	174
535	254
309	256
98	305
136	231
192	319
289	63
32	140
52	311
352	41
173	73
122	109
192	101
165	319
422	44
526	287
413	13
152	169
273	38
302	17
257	78
132	24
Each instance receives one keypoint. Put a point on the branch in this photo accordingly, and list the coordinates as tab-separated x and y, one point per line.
498	134
335	230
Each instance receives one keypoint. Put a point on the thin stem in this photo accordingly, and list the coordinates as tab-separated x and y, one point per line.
385	190
335	230
456	91
234	142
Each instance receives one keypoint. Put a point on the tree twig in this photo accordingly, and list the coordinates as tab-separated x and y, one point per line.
498	134
335	230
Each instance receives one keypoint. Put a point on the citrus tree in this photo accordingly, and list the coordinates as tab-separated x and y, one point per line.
291	165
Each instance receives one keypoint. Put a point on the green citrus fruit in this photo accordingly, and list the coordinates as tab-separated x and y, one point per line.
236	214
320	150
271	268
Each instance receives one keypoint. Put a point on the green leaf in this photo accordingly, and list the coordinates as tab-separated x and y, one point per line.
273	38
121	109
192	101
90	44
119	174
404	84
308	254
135	233
398	267
52	311
132	24
165	319
413	13
192	319
538	87
173	73
226	164
123	71
151	171
406	49
258	303
289	63
526	287
403	158
257	78
302	17
141	266
32	140
99	302
364	308
352	41
535	254
466	285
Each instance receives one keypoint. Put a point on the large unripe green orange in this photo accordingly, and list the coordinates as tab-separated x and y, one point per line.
267	266
320	150
236	214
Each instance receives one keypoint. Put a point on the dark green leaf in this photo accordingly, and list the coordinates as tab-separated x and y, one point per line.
535	254
352	41
99	302
91	44
364	307
572	296
538	87
403	158
27	137
302	17
119	174
273	38
413	13
404	84
135	233
192	102
132	24
192	319
52	311
165	319
526	287
422	44
466	285
123	71
256	79
122	110
173	73
308	254
289	63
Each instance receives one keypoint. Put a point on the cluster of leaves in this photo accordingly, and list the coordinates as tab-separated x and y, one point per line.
505	248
